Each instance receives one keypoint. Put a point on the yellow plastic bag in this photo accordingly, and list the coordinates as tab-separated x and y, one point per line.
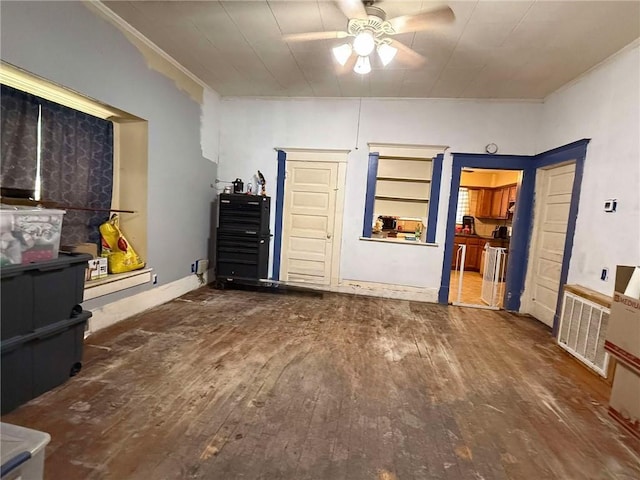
121	256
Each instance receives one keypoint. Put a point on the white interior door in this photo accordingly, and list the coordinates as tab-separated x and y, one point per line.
553	199
309	222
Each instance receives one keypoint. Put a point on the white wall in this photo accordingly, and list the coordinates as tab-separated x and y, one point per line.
604	105
252	128
68	44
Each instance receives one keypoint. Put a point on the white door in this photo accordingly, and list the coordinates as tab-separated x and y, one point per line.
553	199
309	222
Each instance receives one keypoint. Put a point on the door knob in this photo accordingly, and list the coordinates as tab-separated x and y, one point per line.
328	235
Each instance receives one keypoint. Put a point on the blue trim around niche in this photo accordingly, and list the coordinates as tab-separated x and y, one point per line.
372	173
277	237
434	197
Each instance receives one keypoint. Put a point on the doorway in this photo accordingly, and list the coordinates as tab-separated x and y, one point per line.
554	186
520	253
311	216
487	200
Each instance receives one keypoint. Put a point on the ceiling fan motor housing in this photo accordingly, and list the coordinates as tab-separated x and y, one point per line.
375	11
375	23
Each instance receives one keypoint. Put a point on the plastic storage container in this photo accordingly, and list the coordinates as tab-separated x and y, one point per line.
35	363
29	234
38	294
22	452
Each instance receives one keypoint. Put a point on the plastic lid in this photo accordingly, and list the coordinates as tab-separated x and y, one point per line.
30	209
17	440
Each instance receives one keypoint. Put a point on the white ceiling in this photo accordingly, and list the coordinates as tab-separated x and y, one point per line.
495	49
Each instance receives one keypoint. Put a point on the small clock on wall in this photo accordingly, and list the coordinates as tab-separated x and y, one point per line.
491	148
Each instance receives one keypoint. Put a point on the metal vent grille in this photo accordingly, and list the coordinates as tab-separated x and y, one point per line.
583	328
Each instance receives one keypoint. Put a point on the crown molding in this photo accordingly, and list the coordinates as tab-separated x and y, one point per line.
119	22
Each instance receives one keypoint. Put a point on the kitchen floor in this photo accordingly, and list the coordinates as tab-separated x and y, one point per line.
471	288
251	385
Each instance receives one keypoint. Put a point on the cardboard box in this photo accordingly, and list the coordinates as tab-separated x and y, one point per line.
624	405
623	331
97	268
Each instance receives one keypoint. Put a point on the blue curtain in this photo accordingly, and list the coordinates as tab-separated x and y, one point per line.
77	168
19	142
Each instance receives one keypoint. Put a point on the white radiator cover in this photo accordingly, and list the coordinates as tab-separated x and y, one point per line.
582	332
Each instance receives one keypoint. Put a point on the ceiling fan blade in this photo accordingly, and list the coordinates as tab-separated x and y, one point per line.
305	37
422	21
408	56
352	8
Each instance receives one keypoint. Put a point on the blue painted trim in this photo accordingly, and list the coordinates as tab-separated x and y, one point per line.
434	197
521	223
277	237
520	241
576	151
443	294
370	195
571	151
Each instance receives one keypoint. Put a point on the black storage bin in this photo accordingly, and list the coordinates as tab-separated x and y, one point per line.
35	363
40	293
17	374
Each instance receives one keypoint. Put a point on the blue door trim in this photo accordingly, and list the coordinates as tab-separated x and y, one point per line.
523	217
434	197
521	222
576	151
372	173
277	237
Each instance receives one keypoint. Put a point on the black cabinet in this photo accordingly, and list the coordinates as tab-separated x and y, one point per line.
242	252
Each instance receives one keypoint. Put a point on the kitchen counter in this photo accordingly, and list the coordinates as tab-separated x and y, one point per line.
482	237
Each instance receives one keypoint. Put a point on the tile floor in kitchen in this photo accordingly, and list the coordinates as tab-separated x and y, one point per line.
471	288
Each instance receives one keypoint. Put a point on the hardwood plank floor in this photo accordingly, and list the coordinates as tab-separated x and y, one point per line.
251	385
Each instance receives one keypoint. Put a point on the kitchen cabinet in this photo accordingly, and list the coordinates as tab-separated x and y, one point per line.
483	206
504	204
475	245
494	202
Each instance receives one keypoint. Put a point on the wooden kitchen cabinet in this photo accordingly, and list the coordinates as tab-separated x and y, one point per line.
504	204
474	245
496	203
483	208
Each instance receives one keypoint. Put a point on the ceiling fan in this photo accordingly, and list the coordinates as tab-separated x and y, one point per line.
370	29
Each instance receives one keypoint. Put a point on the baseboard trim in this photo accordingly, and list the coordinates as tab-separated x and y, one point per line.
115	312
372	289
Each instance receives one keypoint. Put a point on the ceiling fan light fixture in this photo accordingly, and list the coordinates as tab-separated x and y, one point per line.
386	53
342	53
364	43
363	65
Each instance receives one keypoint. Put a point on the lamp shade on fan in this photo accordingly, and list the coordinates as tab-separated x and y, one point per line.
363	66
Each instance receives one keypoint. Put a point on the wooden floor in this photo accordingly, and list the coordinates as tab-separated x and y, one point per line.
248	385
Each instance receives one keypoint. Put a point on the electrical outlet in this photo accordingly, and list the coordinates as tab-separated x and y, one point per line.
154	279
604	275
201	266
610	205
